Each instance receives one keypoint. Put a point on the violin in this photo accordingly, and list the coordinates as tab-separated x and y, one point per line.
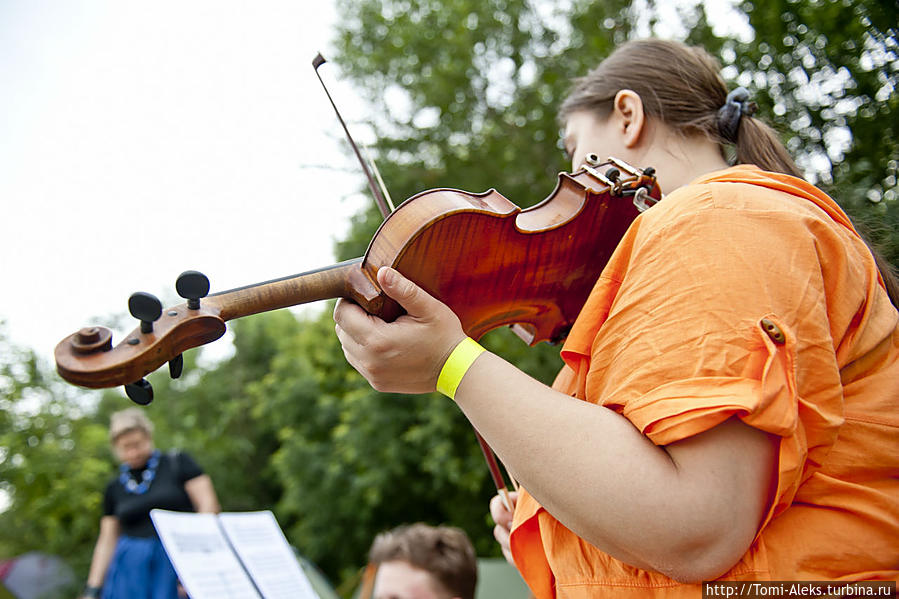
491	262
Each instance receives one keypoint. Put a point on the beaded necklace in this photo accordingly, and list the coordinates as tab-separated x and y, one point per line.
139	488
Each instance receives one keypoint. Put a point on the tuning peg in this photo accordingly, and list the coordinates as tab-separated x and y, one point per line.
176	365
613	174
140	392
192	285
146	308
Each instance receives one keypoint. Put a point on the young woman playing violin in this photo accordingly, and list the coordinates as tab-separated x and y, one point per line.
729	404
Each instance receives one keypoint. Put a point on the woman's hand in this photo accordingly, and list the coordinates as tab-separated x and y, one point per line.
503	519
404	356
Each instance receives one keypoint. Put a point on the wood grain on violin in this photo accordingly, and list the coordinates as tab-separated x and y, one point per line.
491	262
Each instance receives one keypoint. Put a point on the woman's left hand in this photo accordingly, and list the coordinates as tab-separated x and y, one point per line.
404	356
502	517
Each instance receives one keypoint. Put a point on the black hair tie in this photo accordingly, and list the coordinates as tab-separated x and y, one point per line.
736	105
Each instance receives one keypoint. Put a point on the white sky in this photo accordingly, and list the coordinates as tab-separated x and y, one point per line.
142	139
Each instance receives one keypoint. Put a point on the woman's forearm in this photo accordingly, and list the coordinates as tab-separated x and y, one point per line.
103	552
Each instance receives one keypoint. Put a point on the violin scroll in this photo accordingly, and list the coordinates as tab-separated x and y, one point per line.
88	358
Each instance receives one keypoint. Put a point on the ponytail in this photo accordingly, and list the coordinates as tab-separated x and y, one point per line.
758	144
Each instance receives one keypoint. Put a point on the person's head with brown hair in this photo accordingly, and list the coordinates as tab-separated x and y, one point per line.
661	103
418	561
680	86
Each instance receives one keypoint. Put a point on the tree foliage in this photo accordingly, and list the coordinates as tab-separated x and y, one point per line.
49	456
829	71
463	94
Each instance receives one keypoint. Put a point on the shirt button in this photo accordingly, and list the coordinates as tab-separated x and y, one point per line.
773	331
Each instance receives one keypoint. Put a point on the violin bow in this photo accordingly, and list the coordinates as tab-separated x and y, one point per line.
382	198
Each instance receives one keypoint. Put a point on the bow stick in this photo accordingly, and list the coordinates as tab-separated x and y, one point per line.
380	194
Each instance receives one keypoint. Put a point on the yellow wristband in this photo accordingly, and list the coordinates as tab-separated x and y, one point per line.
456	365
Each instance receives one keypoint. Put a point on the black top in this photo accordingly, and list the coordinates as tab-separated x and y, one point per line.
165	492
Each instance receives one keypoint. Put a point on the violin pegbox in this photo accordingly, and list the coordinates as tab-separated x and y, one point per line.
88	358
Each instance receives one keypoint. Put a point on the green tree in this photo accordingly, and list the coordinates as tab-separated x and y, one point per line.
49	455
832	71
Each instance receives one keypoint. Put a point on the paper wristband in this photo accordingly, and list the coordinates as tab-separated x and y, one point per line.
456	365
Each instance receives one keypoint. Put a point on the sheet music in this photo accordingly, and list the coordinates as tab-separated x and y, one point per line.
260	544
203	559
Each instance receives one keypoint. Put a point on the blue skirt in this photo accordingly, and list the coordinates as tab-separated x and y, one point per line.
140	569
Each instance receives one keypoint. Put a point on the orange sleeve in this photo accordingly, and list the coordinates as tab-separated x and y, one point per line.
686	346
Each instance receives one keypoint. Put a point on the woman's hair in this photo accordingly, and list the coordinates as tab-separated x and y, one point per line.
681	86
125	421
444	552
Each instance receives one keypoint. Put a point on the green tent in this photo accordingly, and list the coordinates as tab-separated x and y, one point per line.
498	579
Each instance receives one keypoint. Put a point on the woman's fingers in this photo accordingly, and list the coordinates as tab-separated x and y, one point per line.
406	355
415	301
353	322
503	519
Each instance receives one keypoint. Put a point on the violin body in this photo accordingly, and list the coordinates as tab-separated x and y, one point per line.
493	263
497	265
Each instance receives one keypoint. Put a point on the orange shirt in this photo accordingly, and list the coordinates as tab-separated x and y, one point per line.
672	337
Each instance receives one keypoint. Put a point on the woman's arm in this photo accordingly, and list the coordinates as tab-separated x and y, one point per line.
689	510
103	550
202	494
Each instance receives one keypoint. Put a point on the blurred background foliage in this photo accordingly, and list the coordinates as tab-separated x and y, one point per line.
460	93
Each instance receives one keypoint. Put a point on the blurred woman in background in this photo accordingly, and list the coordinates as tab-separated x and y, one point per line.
129	561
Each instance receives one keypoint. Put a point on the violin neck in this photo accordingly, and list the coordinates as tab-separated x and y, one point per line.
338	280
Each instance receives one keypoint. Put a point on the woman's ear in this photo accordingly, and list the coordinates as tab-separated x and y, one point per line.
628	112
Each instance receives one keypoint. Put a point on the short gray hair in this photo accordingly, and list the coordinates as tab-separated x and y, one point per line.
125	421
